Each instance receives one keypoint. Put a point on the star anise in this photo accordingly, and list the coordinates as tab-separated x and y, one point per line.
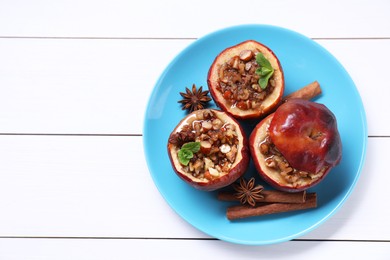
195	99
247	192
184	136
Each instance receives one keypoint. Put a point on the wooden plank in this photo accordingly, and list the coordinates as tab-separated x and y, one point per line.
102	86
77	186
121	18
39	249
79	86
80	186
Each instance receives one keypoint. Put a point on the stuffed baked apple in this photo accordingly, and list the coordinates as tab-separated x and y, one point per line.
294	148
246	80
208	149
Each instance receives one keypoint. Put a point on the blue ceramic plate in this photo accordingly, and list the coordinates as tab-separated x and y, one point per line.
303	61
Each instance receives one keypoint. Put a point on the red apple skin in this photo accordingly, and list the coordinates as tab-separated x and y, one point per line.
239	168
306	134
272	177
212	81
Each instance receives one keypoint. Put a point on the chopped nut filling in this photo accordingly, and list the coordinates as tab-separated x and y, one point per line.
218	145
238	82
274	159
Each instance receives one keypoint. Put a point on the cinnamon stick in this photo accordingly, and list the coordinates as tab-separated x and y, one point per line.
273	196
243	211
307	92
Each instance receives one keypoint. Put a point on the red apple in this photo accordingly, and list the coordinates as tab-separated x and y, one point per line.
234	84
223	154
294	148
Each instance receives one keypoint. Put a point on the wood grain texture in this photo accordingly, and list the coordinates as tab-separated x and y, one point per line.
119	249
102	86
75	78
84	186
173	18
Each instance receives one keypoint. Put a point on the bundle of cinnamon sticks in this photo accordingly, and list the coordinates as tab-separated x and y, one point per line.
307	92
273	201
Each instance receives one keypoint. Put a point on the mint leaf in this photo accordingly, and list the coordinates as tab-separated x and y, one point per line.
262	61
192	146
263	81
265	70
187	151
185	156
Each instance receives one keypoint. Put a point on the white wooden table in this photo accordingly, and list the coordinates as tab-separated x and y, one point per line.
75	77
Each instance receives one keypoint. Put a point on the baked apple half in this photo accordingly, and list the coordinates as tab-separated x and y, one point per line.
208	149
246	80
294	148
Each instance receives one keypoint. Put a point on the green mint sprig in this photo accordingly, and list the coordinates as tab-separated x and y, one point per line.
187	152
264	70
